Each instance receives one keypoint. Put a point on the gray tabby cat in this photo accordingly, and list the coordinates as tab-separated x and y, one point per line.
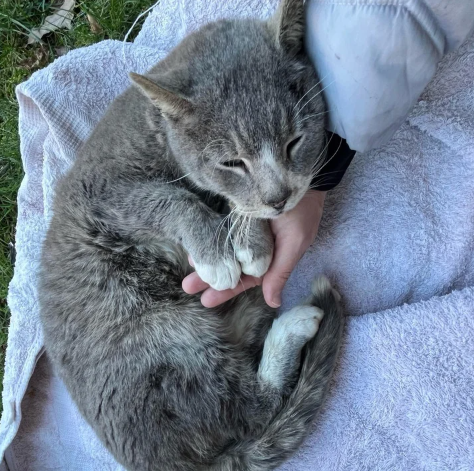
232	117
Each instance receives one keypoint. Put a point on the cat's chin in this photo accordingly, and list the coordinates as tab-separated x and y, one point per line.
268	214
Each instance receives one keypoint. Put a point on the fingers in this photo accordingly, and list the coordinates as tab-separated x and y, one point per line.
212	298
284	261
294	232
192	284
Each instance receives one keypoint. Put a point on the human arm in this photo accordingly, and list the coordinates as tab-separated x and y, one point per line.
375	58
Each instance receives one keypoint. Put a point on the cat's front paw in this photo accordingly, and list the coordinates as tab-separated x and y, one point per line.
252	264
224	274
255	250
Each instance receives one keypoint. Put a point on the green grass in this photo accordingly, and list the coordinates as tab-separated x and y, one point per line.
17	62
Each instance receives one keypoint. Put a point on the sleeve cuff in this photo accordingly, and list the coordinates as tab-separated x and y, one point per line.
338	158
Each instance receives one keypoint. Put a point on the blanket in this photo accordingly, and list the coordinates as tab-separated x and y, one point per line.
396	238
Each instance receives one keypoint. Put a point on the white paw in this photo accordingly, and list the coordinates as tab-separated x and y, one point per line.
225	275
286	338
257	267
301	321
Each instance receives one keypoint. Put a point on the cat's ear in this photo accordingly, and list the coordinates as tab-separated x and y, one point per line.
171	103
289	24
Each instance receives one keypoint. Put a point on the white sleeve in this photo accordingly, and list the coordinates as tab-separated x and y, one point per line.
375	57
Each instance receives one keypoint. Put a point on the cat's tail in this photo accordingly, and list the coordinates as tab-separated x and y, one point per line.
291	425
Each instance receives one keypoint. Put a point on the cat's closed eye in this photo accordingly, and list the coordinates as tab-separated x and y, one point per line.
292	146
235	164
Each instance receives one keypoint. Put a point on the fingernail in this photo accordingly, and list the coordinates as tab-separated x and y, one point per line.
276	302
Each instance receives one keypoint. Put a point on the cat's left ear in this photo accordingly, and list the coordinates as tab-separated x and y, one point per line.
289	25
171	103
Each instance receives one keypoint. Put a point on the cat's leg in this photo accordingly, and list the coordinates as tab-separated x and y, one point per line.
287	336
146	211
249	319
253	245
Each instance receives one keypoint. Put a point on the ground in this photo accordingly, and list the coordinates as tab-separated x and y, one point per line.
93	21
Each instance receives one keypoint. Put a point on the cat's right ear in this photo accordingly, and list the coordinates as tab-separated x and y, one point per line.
288	23
171	103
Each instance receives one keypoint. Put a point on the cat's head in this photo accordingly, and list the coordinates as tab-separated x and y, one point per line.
243	110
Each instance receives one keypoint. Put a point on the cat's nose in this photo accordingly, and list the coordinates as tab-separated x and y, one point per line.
279	205
281	202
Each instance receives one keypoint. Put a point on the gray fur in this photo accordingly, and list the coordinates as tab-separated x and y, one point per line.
167	384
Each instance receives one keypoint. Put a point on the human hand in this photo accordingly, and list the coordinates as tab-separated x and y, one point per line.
294	232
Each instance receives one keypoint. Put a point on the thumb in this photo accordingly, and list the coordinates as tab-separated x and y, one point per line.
284	260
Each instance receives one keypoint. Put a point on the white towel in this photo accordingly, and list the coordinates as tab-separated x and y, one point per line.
399	229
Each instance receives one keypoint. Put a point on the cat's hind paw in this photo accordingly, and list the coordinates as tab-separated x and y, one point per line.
301	322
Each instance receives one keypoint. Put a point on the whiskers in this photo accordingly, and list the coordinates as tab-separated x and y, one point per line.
240	228
309	91
238	233
312	116
213	143
310	100
180	178
315	170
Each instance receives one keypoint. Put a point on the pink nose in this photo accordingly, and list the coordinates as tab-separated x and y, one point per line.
280	203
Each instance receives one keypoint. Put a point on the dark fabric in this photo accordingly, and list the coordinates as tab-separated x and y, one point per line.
338	158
